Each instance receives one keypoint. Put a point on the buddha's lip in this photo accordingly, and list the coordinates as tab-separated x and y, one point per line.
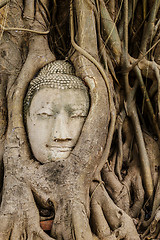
60	148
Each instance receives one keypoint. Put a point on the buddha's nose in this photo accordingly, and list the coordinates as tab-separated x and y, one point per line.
61	130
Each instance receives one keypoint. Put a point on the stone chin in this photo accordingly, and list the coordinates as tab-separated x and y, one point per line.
58	154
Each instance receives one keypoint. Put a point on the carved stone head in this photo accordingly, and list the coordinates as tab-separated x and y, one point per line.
55	109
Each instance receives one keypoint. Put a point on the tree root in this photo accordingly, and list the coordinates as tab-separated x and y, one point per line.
110	33
121	192
154	228
82	59
116	221
19	215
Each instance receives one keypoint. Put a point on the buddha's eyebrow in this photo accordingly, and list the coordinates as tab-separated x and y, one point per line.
75	106
43	108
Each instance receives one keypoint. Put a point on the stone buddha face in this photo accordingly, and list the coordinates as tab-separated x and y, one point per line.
55	118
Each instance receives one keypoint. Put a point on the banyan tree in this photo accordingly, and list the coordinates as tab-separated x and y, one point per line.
79	119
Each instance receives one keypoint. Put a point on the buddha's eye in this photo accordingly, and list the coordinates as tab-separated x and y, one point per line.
78	114
45	115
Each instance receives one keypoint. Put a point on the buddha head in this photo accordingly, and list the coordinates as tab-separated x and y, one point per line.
55	108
